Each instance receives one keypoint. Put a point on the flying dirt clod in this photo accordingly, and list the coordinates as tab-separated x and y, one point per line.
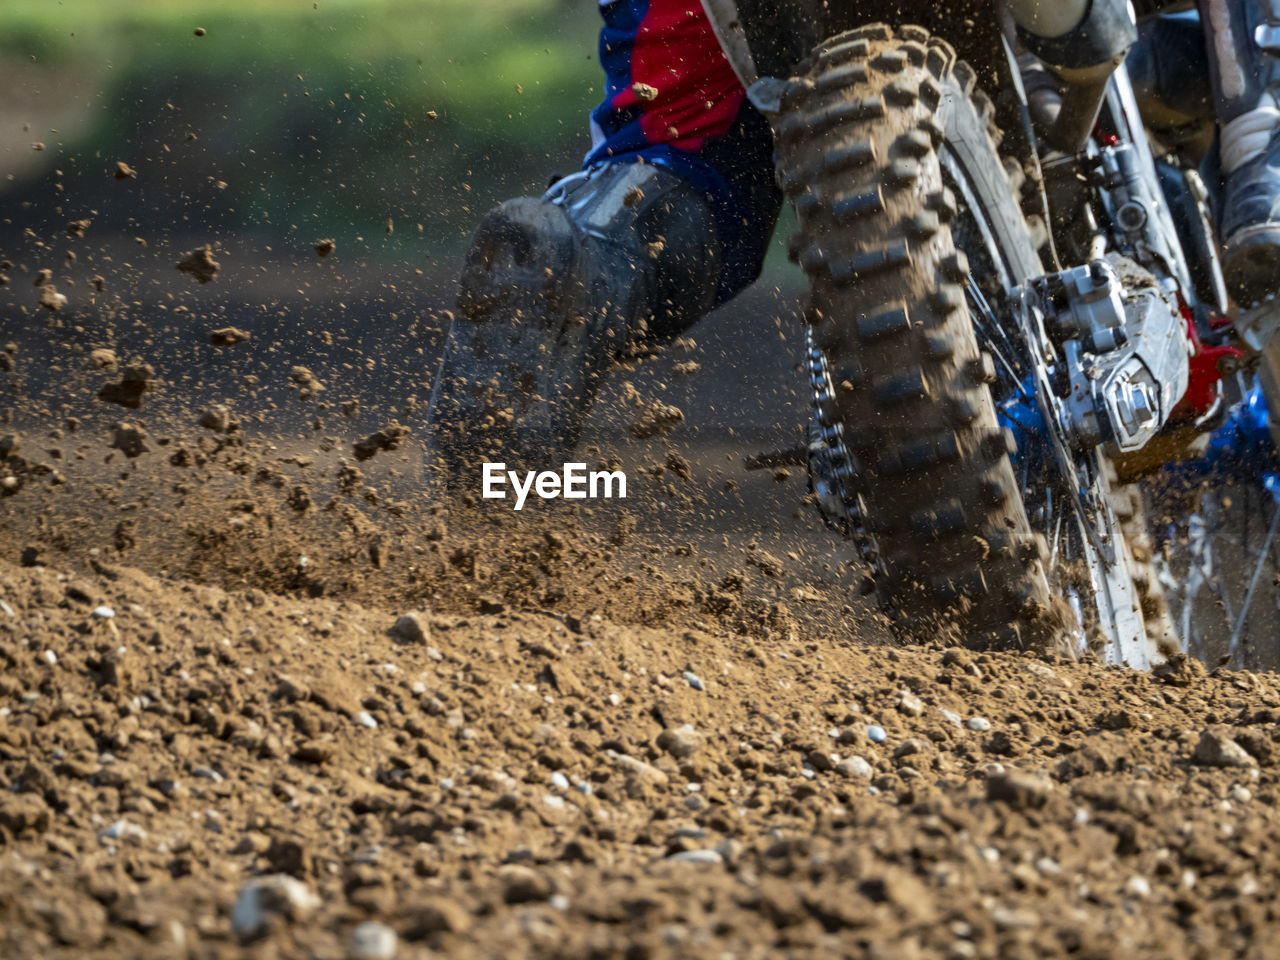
136	381
227	336
200	264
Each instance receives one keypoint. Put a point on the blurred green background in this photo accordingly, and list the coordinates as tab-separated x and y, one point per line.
288	121
292	119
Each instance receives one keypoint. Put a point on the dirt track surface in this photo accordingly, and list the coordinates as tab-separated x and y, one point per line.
664	728
521	783
631	730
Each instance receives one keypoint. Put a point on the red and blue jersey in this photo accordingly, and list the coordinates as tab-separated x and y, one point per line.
667	82
672	98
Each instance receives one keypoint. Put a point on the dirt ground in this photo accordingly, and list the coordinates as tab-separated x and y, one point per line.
197	772
263	695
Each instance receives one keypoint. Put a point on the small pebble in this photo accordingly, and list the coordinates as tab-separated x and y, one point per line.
681	742
275	894
207	773
366	719
697	856
909	703
411	628
559	781
978	724
123	830
1217	749
103	612
372	941
854	768
876	734
1138	887
1240	794
50	658
694	680
909	747
553	801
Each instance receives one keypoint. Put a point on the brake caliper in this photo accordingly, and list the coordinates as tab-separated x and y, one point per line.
1122	352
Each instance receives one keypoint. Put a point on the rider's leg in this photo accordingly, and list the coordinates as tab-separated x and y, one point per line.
671	215
615	249
1169	70
552	289
1246	81
633	249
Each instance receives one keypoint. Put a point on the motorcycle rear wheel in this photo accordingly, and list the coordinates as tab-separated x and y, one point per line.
889	153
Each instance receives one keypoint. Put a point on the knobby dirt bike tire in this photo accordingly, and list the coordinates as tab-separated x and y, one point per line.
860	139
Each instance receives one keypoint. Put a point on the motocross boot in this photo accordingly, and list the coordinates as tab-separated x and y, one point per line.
553	289
1244	40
